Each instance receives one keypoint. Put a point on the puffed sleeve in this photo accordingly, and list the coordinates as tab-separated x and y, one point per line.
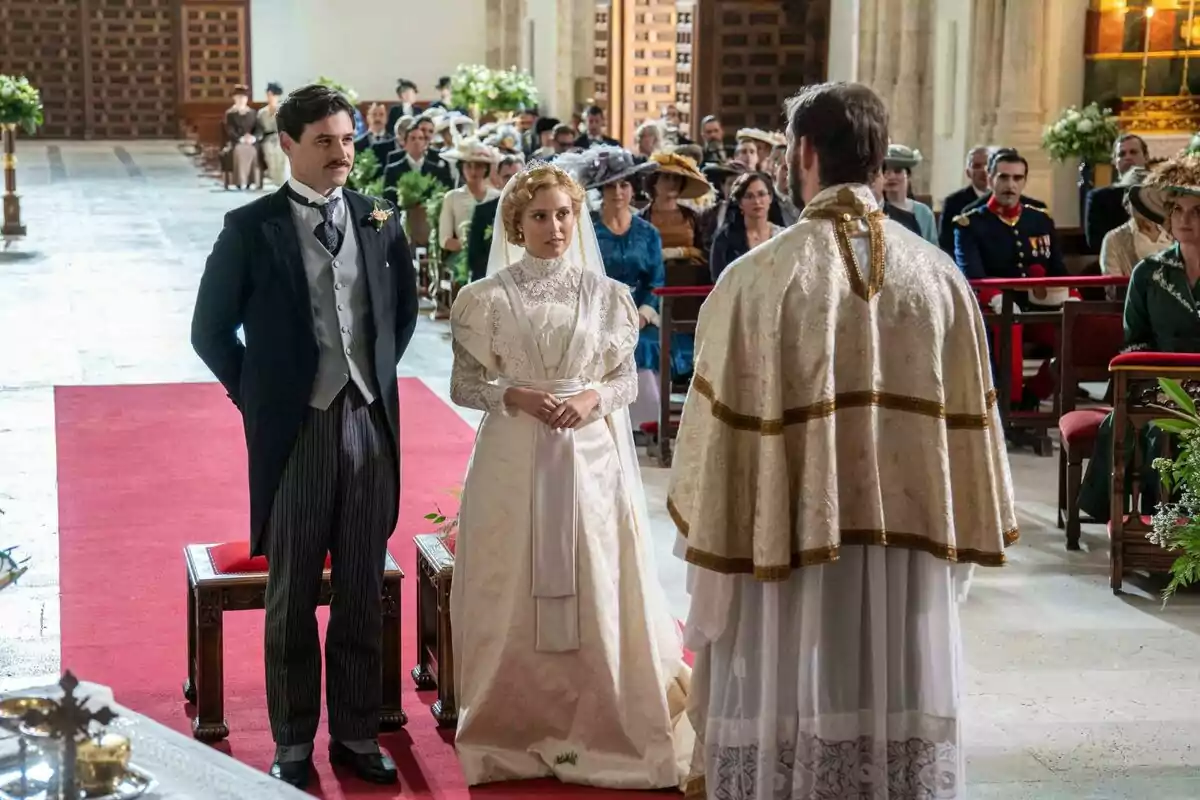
618	387
472	379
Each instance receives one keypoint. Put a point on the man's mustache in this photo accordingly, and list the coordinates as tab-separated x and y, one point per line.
333	164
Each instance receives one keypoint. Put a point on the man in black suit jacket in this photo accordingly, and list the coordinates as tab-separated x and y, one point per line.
1105	206
479	237
414	156
377	135
406	93
956	202
595	131
321	283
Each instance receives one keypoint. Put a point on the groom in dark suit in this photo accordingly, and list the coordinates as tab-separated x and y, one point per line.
320	281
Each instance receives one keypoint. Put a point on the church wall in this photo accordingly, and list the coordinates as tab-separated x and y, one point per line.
366	46
951	67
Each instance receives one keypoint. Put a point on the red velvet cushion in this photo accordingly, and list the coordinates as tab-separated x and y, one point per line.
233	558
649	428
1078	428
1143	359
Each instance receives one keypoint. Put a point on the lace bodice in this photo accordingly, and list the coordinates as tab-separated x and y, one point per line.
490	342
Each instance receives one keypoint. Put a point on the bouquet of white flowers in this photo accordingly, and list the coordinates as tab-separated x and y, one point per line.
20	103
1087	134
488	91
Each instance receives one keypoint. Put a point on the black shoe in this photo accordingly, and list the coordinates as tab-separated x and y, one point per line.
373	767
295	773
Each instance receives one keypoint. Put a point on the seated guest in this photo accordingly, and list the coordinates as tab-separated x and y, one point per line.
241	135
1138	237
527	119
676	178
508	166
377	131
451	127
562	140
956	202
1105	206
475	161
406	92
784	212
746	152
672	126
764	142
897	188
632	252
1160	307
1006	238
649	137
747	224
712	134
894	213
445	95
414	158
595	130
542	141
274	160
507	139
722	177
980	201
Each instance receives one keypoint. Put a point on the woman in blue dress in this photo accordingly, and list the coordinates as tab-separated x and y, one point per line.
632	253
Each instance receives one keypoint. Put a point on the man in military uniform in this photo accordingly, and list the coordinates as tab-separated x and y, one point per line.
1007	238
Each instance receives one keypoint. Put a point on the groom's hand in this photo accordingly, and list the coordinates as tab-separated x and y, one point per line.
534	402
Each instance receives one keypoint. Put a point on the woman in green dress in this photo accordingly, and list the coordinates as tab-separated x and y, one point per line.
1162	306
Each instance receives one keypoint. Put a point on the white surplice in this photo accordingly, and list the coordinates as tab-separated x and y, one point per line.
840	468
601	700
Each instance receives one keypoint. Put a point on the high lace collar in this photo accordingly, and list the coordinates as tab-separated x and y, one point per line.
543	266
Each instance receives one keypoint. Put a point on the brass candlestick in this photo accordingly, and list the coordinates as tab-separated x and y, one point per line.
12	203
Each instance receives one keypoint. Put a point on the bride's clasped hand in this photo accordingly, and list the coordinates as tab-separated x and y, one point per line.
569	413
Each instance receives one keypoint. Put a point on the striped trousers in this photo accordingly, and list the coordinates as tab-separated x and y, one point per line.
337	495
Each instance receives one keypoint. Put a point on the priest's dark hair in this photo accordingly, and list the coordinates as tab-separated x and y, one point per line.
847	124
310	104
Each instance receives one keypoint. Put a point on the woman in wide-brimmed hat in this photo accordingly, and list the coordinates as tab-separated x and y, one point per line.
632	253
1160	302
677	178
897	188
475	162
1141	235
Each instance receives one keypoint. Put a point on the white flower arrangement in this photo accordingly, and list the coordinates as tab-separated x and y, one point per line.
20	103
487	91
1086	134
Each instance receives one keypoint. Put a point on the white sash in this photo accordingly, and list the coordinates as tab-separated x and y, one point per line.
553	511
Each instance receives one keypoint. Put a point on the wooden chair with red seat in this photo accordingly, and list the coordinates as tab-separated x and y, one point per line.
435	654
223	577
679	311
1138	401
1092	335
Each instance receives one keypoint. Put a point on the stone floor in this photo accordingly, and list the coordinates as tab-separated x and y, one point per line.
1072	692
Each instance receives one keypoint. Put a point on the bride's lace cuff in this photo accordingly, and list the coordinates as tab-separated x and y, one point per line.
470	385
618	388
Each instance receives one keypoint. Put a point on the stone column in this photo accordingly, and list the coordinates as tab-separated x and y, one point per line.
1021	114
505	19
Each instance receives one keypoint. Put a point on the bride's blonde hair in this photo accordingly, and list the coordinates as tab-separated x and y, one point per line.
525	186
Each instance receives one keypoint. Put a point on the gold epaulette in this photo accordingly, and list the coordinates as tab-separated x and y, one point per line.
963	219
1036	208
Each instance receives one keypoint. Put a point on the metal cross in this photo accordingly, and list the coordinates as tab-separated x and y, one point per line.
69	719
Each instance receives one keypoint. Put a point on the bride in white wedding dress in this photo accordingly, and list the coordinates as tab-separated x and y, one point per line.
567	661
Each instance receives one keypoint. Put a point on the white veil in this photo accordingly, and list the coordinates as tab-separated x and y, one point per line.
585	252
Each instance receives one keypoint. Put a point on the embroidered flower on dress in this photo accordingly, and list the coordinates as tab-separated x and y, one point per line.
379	216
1171	289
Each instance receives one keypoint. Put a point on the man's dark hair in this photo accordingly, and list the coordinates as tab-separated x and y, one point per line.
1006	155
443	83
708	119
559	130
310	104
847	124
405	83
1125	137
594	111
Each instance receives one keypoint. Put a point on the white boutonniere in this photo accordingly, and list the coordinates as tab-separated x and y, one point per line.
379	216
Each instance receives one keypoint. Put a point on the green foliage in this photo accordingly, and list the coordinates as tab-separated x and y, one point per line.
446	526
489	91
20	103
415	189
345	90
1086	134
1176	522
366	175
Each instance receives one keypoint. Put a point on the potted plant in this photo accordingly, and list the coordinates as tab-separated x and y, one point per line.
413	191
1086	134
20	107
487	92
1176	521
366	176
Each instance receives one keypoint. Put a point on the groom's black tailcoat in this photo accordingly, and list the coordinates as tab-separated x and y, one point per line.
255	280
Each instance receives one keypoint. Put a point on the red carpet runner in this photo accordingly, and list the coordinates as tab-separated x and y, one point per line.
144	470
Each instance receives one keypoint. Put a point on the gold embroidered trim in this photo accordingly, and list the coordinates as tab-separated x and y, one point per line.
824	555
843	221
827	408
696	789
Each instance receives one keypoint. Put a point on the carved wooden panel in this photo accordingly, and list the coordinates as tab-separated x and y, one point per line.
754	54
131	52
40	39
214	49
